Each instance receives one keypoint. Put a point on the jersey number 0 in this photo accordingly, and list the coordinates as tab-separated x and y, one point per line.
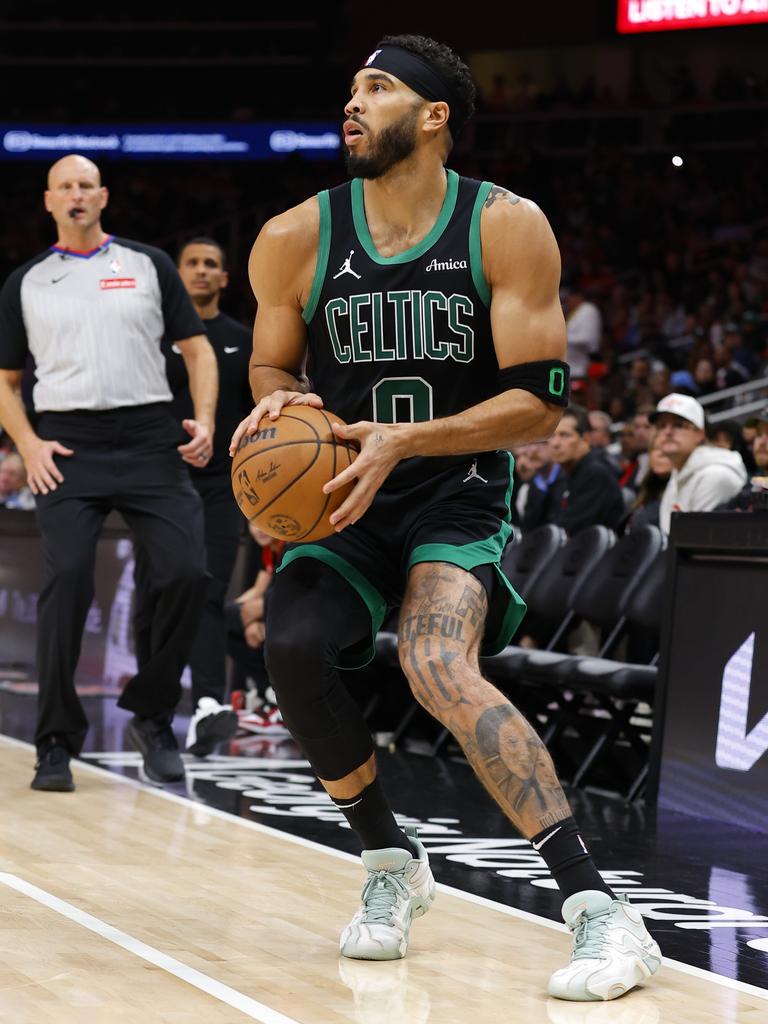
402	400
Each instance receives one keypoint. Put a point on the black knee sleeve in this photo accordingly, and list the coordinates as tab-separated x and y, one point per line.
313	614
316	706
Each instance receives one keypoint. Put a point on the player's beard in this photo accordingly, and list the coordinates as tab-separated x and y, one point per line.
391	146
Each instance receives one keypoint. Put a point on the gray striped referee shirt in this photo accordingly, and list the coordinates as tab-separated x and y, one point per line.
93	322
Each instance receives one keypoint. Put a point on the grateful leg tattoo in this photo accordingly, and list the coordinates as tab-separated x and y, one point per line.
441	626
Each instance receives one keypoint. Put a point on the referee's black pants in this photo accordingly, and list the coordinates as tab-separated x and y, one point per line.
124	459
223	527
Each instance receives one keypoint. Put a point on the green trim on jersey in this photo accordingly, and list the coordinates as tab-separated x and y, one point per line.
323	249
355	657
364	235
483	552
475	249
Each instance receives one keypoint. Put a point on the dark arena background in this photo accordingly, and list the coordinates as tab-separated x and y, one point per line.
640	129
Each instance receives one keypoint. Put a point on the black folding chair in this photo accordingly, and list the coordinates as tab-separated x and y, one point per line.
524	561
604	601
617	688
550	598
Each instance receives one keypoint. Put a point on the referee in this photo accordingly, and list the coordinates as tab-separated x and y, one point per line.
203	271
92	310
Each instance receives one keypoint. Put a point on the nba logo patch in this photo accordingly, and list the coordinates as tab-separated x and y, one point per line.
372	58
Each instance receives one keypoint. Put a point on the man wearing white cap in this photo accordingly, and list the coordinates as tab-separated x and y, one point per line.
703	477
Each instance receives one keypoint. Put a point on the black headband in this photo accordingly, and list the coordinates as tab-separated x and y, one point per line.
418	75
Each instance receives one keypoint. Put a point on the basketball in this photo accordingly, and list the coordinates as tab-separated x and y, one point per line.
278	474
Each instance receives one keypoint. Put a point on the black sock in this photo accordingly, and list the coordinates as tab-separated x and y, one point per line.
370	817
568	858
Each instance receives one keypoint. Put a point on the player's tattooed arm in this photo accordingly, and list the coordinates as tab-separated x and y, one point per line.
499	193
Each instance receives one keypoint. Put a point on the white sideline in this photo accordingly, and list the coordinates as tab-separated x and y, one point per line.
250	1007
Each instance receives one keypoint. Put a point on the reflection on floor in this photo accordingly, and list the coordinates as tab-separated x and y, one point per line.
703	887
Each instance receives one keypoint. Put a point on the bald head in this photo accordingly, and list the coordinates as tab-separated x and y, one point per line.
73	165
75	198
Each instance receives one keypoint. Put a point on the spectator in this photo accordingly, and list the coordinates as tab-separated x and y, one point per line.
643	433
589	491
661	383
702	382
585	327
645	509
14	492
726	435
628	465
600	437
538	496
702	477
745	499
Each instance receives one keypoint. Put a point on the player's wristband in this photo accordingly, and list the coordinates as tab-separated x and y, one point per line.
548	379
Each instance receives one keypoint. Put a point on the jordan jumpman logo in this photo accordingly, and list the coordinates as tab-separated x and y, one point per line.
473	474
346	267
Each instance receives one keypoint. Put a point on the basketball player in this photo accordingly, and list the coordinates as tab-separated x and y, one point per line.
203	271
92	310
426	306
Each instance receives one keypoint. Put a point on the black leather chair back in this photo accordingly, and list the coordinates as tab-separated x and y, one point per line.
552	594
645	602
523	562
605	595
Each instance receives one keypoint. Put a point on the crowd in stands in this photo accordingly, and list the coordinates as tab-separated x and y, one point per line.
665	461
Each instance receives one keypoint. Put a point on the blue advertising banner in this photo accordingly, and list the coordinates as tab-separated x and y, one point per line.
262	141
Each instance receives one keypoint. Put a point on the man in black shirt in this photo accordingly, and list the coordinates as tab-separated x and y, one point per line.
202	267
589	491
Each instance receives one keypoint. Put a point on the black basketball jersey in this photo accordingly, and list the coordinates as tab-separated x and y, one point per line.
402	338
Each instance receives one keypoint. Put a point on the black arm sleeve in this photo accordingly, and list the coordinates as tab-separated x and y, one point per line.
181	319
548	379
14	345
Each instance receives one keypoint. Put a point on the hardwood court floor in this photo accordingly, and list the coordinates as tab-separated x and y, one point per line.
119	905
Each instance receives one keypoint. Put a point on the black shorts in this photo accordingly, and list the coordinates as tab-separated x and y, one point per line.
460	516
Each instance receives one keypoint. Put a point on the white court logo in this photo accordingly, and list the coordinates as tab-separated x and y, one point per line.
737	748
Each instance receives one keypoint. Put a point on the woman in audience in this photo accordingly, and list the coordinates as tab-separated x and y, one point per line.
645	508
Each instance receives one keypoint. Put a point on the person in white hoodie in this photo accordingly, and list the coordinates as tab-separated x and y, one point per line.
703	477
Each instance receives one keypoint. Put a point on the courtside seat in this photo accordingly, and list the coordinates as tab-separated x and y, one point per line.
600	698
617	679
386	648
642	612
550	598
601	600
524	561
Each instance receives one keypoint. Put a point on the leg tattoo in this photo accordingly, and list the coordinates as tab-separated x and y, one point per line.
441	626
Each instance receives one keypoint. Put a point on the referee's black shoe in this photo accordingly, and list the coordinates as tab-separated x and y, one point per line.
52	772
155	738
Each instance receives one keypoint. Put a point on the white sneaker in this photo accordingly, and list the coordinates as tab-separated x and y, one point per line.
612	950
211	724
399	888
